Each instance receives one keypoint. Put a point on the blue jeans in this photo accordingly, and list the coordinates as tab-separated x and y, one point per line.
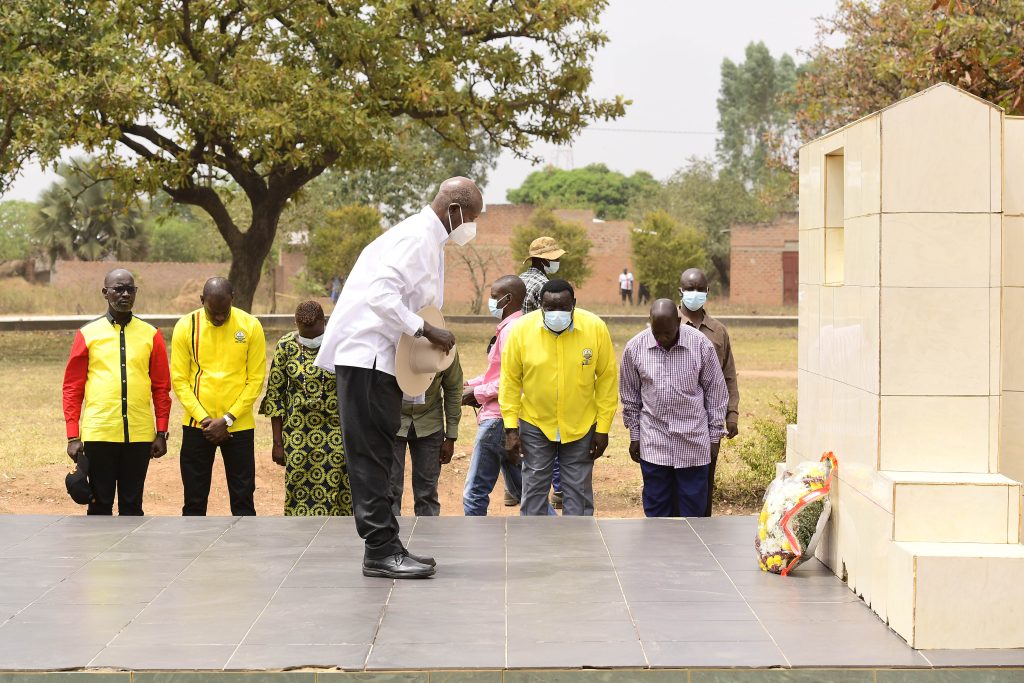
674	491
489	458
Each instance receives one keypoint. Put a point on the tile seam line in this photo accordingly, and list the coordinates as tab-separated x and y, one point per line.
38	531
782	652
274	595
162	590
78	569
504	525
387	603
622	592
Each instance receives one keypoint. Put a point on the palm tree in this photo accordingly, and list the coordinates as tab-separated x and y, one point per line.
80	217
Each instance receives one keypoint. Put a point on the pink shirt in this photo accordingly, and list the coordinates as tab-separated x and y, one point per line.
485	387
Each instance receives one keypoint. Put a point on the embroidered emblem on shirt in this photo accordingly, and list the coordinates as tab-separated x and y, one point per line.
240	337
588	355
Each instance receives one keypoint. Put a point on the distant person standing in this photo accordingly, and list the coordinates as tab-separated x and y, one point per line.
302	404
430	430
489	455
693	289
335	288
118	368
558	395
626	286
643	294
673	404
218	363
544	261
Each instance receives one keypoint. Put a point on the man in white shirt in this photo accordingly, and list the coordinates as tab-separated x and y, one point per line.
399	273
626	286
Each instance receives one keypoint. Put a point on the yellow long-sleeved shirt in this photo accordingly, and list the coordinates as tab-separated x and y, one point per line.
562	384
218	370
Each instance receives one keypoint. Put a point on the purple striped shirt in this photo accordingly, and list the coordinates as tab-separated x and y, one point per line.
674	400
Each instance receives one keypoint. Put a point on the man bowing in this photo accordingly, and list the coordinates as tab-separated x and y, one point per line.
399	273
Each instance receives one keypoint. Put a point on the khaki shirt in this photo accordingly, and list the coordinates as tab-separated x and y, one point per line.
719	336
441	408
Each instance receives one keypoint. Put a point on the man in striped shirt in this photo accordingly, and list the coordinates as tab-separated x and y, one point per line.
118	369
673	404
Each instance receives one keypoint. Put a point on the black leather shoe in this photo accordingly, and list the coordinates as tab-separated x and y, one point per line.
422	559
398	566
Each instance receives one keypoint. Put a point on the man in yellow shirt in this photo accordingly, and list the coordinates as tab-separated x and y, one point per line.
218	362
558	393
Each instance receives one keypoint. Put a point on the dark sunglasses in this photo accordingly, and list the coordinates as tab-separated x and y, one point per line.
123	289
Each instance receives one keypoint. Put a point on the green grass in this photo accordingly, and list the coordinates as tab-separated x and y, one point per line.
32	431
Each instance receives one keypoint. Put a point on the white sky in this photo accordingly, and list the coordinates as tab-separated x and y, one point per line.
664	55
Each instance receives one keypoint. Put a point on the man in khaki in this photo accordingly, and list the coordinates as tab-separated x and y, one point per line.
544	260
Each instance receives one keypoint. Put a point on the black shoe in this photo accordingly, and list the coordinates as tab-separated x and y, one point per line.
422	559
510	500
397	566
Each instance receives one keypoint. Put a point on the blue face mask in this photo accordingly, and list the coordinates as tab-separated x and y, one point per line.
494	308
557	321
551	268
694	301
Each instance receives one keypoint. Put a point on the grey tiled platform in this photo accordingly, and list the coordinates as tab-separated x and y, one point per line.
166	593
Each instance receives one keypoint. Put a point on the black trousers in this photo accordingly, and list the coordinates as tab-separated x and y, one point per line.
711	483
239	457
121	467
370	404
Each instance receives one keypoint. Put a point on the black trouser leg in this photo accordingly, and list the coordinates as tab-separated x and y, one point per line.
397	485
196	459
370	404
132	466
239	457
102	476
711	483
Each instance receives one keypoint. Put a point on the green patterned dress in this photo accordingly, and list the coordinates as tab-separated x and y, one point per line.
304	396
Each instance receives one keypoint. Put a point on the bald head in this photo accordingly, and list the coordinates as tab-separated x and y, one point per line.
510	292
117	276
458	201
665	322
218	294
693	280
119	291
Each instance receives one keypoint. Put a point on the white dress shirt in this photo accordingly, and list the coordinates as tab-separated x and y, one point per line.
397	274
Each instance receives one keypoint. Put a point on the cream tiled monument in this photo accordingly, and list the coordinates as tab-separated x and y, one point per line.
911	363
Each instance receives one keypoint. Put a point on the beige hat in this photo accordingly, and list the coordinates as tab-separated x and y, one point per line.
417	361
545	248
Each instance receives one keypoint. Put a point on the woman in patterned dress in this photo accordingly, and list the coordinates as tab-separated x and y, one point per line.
302	404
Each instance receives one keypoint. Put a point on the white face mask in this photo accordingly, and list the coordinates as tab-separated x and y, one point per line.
313	343
463	234
551	268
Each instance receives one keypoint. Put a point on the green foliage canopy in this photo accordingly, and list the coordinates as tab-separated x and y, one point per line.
607	192
894	48
184	96
574	266
335	245
16	229
662	249
186	239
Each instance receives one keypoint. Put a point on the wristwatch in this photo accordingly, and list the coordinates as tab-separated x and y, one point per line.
228	420
166	435
419	333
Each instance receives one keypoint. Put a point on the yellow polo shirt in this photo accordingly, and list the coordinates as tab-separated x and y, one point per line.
218	370
562	384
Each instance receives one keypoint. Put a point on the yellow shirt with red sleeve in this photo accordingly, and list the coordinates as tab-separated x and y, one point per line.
218	370
121	375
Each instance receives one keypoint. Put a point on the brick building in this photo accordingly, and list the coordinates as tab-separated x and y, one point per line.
470	270
764	265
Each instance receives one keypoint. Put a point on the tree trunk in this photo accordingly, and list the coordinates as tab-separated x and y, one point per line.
721	264
248	255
